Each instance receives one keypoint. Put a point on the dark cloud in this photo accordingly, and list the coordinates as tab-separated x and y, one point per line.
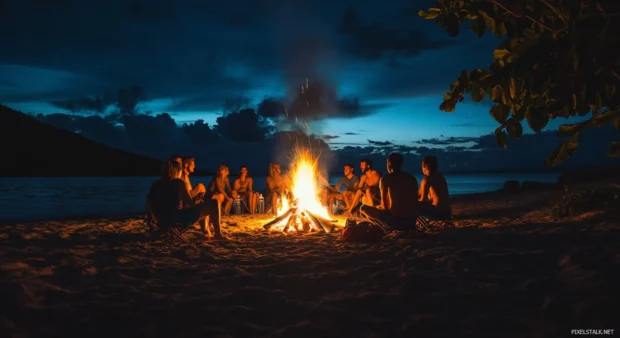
314	101
244	125
125	101
330	137
380	143
447	141
349	133
373	42
159	136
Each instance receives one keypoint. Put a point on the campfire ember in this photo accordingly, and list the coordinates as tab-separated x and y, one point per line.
304	212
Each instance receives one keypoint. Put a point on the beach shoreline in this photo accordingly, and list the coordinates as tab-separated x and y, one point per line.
510	268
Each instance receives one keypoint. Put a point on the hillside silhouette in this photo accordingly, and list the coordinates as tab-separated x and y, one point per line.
31	148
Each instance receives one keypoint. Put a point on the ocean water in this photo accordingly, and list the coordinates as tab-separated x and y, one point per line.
45	198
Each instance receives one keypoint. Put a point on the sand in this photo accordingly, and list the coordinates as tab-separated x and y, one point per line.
509	269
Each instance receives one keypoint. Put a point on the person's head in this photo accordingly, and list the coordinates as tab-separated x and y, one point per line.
176	170
170	170
274	169
348	169
175	158
243	171
189	164
394	162
222	170
365	165
429	165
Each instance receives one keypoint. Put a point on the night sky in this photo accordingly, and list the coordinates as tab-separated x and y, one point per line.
386	68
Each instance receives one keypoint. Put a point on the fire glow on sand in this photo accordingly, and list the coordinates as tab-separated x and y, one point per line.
304	211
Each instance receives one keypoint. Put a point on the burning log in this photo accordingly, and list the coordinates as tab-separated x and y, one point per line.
319	225
280	218
292	221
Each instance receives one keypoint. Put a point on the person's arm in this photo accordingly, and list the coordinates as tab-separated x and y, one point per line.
433	199
361	183
227	182
383	190
423	192
184	196
236	185
220	187
250	183
337	187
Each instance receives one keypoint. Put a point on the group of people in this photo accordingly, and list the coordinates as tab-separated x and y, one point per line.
388	199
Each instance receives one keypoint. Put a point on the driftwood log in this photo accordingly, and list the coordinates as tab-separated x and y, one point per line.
280	218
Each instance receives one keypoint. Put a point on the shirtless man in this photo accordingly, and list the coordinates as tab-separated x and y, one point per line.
349	181
276	186
368	186
433	196
397	209
218	186
198	192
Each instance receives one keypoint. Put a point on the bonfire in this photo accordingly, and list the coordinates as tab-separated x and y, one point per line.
304	211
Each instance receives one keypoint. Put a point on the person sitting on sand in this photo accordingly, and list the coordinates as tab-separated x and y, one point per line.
396	209
197	193
349	181
218	186
277	186
243	186
368	187
169	194
433	195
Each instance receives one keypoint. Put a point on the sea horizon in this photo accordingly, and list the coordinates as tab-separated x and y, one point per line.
47	198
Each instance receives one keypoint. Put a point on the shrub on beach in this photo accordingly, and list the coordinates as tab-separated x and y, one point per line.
579	201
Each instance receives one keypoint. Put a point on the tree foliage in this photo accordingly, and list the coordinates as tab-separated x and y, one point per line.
557	58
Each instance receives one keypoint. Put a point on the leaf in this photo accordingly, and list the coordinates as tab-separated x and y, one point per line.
478	27
501	138
513	89
496	93
448	105
500	29
477	94
572	129
614	149
432	13
488	21
499	54
537	119
453	25
514	128
563	152
605	118
500	113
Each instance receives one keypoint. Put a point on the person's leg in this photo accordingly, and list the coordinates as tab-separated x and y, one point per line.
367	199
356	199
330	202
274	203
228	205
347	196
199	189
324	197
211	209
382	217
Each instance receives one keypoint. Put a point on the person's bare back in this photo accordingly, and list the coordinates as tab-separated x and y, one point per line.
398	191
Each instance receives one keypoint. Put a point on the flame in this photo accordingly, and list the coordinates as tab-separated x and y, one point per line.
304	189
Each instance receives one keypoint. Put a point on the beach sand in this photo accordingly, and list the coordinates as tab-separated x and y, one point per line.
509	269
